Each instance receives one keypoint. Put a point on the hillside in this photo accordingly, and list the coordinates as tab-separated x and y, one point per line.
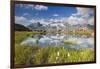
19	27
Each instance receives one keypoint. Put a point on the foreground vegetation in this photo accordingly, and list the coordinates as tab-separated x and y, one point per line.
51	54
48	55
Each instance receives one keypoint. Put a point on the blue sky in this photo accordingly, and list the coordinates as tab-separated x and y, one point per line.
29	13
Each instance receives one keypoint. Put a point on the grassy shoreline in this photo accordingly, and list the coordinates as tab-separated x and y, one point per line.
47	55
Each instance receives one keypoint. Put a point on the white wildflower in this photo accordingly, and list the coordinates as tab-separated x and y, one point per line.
58	53
68	54
56	58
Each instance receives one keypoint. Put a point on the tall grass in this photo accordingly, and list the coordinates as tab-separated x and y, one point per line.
51	54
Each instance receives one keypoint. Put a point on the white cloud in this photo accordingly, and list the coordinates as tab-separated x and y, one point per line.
29	6
25	5
72	20
56	15
58	20
40	7
19	18
32	6
33	21
76	20
82	16
54	20
42	21
82	11
91	21
22	20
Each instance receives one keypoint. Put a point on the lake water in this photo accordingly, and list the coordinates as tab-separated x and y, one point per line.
67	41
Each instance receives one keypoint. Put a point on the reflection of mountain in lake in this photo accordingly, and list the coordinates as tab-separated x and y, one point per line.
72	42
90	26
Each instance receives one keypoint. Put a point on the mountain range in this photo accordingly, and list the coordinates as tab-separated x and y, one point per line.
39	26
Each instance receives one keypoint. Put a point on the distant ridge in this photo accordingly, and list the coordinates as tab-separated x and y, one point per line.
19	27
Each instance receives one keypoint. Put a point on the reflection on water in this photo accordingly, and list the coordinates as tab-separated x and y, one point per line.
68	41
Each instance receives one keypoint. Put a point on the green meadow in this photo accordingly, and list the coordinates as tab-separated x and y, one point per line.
48	55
